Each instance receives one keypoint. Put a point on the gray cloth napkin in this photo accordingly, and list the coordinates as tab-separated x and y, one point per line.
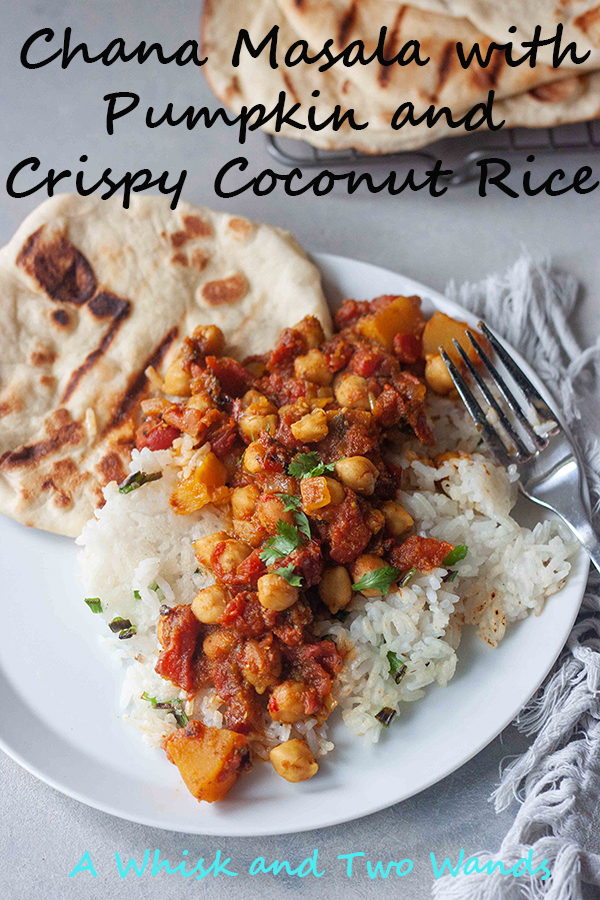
557	781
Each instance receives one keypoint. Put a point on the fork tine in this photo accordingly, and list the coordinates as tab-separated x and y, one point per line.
524	384
522	450
506	392
489	435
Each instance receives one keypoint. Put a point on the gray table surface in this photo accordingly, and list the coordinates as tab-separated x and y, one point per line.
58	115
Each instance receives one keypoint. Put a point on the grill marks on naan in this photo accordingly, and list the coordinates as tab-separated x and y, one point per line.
66	276
63	432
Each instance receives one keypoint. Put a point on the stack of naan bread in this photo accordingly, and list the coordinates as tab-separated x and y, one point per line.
534	97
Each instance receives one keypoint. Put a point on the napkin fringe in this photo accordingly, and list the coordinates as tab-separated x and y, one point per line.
555	780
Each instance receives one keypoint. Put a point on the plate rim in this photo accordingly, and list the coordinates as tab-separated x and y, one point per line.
213	827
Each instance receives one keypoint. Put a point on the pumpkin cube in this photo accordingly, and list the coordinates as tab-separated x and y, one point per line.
210	759
401	315
205	484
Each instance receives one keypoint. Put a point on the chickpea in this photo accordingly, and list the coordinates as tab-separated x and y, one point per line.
250	531
251	425
218	644
211	339
294	761
352	391
257	402
253	459
176	381
286	703
270	509
397	520
375	520
209	604
336	491
234	553
313	367
274	592
311	428
311	331
261	664
335	588
362	566
205	546
202	402
357	473
437	375
243	501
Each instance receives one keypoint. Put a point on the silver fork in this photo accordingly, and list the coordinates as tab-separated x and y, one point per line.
549	466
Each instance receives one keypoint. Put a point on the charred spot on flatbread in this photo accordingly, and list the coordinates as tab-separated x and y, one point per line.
10	402
199	259
193	227
557	91
111	468
64	481
225	290
102	305
138	384
180	259
240	228
61	318
59	268
62	431
391	44
42	356
589	23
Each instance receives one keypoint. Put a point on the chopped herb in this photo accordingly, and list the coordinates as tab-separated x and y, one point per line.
341	615
127	633
119	624
459	552
329	637
137	595
175	707
450	576
164	610
285	542
386	716
196	571
378	580
137	480
290	501
308	465
157	590
303	524
287	572
407	576
397	667
95	604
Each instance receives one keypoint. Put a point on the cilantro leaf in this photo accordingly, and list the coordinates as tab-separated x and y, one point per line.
290	501
284	543
303	524
397	666
95	604
137	595
308	465
378	580
175	707
137	480
287	572
459	552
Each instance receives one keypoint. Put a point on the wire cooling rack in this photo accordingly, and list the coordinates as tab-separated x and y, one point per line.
461	154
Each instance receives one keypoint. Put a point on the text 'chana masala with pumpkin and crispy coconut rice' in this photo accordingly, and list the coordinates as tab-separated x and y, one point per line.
301	517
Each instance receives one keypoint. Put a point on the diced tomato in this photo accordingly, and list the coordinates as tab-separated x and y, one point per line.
234	379
366	362
421	553
179	630
349	312
155	435
408	348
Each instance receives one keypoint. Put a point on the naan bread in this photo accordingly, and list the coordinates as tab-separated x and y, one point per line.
91	295
572	98
580	20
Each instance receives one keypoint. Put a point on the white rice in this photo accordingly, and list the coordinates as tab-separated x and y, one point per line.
136	542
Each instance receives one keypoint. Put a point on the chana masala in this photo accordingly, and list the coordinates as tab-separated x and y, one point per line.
294	444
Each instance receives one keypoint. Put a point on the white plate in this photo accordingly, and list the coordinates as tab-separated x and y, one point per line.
59	690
